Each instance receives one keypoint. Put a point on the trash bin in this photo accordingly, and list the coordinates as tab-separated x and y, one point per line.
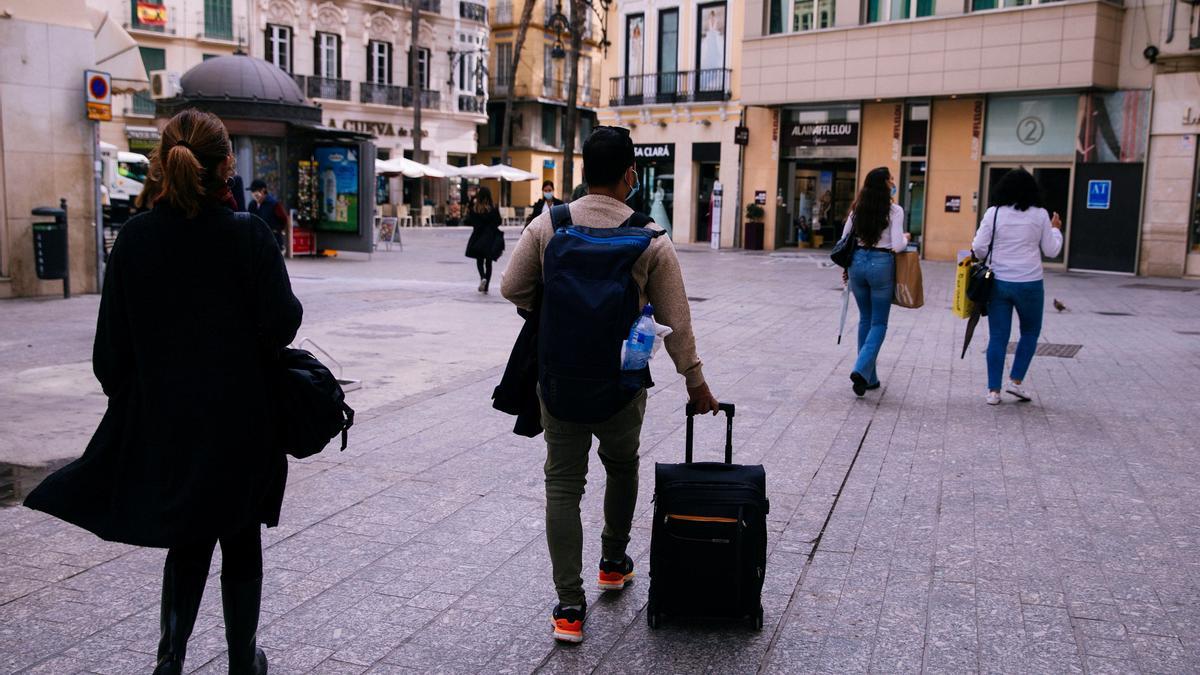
50	253
754	236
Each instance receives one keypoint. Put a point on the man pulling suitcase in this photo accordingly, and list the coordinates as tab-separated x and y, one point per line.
595	264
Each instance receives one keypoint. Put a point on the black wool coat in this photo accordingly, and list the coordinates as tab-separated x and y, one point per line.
487	241
192	315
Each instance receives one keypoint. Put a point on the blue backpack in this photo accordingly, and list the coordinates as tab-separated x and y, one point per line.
589	302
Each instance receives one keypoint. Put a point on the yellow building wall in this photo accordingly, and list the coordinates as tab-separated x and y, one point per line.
955	159
761	168
879	138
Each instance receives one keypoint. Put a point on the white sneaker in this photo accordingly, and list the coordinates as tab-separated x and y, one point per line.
993	398
1019	391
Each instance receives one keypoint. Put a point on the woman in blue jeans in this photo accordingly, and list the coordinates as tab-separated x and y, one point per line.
878	224
1016	231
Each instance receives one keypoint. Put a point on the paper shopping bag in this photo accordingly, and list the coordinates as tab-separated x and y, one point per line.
909	291
962	305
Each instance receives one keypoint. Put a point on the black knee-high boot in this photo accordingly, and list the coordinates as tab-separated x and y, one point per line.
241	600
183	587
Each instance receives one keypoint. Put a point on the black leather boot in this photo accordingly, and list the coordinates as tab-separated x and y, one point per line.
241	600
183	587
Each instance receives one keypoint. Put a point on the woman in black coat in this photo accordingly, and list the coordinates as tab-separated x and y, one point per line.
487	241
186	454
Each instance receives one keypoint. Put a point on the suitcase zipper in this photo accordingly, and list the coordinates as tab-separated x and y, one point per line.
701	519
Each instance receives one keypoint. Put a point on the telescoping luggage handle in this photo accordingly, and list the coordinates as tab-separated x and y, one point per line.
726	408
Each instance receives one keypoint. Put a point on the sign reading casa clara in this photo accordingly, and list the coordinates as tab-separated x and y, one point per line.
654	151
805	134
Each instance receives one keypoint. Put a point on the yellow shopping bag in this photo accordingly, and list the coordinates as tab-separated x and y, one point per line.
962	305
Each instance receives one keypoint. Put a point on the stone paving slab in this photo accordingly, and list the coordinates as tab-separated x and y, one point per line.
914	530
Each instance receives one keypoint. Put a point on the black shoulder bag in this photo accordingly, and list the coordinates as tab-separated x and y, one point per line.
979	286
842	254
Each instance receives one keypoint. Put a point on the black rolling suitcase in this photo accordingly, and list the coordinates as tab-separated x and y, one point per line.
708	546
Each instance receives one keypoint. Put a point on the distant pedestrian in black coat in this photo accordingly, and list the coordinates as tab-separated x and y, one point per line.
486	244
186	454
548	199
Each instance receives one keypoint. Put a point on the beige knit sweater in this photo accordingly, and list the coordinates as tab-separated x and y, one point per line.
656	272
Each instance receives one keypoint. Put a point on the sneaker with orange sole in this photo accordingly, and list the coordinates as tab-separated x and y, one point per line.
568	622
614	576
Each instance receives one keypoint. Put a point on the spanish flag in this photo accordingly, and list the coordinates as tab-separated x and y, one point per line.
151	13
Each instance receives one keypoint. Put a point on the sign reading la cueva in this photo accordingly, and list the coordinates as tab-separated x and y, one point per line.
806	134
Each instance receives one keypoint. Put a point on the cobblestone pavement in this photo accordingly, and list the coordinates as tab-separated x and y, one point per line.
914	530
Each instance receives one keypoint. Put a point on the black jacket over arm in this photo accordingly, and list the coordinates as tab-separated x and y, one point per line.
192	315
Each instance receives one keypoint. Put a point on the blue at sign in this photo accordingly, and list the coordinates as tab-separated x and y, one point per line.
1099	194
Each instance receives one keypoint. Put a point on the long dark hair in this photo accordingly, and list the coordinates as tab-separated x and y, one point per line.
483	200
187	164
1018	189
873	206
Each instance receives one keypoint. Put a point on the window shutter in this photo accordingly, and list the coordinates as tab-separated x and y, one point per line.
371	62
387	62
291	51
318	68
337	41
268	48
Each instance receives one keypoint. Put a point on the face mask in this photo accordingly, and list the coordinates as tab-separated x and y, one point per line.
637	186
548	196
893	190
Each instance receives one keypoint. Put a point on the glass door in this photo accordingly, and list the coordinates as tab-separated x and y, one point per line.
1055	183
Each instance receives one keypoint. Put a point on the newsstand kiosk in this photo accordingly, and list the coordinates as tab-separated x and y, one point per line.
326	176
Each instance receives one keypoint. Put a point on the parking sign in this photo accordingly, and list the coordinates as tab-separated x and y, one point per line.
99	95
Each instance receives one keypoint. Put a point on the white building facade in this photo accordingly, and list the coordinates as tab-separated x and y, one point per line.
351	57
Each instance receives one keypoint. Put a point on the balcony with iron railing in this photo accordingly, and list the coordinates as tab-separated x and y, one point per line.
685	86
324	87
553	90
430	99
472	11
379	94
434	6
472	104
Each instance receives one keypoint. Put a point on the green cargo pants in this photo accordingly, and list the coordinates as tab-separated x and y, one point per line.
567	448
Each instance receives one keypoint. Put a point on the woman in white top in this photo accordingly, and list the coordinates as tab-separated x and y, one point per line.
1023	233
878	224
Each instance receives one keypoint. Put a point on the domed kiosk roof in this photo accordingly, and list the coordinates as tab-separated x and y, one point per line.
243	87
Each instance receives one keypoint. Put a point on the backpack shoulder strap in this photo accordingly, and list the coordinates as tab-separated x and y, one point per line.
639	219
560	217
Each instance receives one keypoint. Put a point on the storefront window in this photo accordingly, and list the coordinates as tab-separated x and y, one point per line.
913	166
656	173
1022	126
818	173
1195	224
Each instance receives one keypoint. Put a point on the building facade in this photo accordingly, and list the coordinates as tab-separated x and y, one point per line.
673	77
539	89
172	36
951	96
351	57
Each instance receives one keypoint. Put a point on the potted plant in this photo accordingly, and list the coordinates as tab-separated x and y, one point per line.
754	227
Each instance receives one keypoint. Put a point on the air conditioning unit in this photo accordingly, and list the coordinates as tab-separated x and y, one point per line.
164	84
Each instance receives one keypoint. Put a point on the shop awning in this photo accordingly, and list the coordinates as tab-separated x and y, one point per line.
117	53
497	172
406	167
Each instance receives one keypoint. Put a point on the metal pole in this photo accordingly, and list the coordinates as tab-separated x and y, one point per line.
415	84
62	203
737	208
97	172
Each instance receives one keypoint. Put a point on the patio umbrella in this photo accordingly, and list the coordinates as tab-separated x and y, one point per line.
845	306
497	172
407	168
972	321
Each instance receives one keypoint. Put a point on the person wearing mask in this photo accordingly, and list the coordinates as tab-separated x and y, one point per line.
187	455
585	406
270	209
548	199
1014	234
486	243
878	225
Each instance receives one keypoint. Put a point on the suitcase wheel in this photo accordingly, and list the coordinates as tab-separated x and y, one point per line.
756	620
653	618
